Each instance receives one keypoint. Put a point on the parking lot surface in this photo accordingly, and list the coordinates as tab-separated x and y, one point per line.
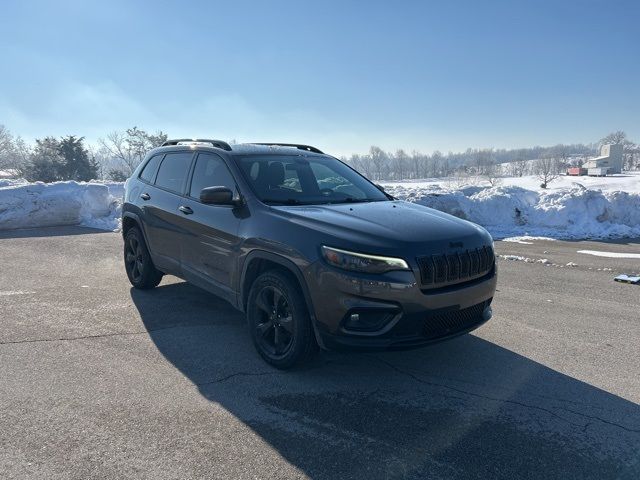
100	381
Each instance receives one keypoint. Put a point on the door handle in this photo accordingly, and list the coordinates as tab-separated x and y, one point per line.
185	210
145	196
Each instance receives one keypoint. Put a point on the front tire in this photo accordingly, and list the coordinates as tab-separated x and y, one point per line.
279	321
142	273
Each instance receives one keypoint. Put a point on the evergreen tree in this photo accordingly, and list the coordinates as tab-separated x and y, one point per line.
45	163
78	165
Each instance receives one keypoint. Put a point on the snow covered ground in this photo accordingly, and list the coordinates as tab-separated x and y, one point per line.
517	209
93	204
571	208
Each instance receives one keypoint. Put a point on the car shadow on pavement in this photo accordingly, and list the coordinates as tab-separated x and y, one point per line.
460	409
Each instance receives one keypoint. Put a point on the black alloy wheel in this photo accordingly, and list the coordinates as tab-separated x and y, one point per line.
275	331
279	322
137	261
133	258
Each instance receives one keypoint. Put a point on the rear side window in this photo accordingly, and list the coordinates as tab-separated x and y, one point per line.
210	171
173	171
150	169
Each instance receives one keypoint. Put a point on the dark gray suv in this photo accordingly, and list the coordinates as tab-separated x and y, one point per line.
314	253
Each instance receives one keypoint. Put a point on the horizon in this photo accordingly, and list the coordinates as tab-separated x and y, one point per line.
503	75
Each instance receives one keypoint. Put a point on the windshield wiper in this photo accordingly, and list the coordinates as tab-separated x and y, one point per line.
288	201
354	200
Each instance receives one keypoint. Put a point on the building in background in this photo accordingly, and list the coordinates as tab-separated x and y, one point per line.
609	161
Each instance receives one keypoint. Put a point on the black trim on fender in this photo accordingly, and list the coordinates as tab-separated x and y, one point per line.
290	266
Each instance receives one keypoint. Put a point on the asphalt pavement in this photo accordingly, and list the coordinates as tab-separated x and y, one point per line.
100	381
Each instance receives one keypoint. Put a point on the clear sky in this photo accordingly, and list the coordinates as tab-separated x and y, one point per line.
341	75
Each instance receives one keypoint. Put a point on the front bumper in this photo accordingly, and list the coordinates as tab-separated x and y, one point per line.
414	316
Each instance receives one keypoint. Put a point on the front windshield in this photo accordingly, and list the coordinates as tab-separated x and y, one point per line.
298	180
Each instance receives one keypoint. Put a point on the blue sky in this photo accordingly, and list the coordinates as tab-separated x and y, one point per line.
342	75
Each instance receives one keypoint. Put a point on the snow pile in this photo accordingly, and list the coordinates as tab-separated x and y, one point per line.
519	258
26	205
573	212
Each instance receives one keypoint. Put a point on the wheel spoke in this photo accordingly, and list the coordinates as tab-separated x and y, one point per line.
130	257
287	323
278	340
264	327
134	270
262	303
277	296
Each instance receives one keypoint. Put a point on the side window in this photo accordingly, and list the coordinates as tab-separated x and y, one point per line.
173	171
149	171
210	171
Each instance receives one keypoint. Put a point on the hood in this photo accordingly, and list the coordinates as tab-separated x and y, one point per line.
388	226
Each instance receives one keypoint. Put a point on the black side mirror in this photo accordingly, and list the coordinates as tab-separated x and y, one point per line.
217	196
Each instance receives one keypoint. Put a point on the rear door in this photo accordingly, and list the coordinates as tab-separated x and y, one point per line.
161	209
210	232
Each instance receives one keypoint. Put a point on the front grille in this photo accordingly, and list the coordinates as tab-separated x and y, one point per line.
455	267
447	323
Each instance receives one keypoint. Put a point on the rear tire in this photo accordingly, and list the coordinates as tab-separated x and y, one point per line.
142	274
279	322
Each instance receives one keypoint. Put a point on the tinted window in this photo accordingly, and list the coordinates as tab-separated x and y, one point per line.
173	171
293	179
210	171
150	169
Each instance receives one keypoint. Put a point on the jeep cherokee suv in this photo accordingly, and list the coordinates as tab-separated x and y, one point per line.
314	253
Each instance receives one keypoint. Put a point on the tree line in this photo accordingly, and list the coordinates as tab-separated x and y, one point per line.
51	159
115	157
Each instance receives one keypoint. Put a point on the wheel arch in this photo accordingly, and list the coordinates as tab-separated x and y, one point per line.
260	261
129	220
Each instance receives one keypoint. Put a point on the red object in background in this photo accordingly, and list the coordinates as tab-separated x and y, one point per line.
576	171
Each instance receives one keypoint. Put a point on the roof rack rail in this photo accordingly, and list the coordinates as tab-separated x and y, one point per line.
308	148
216	143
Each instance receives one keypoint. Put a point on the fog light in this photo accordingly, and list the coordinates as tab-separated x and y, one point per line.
368	320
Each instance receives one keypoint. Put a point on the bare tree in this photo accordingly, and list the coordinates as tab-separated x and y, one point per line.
400	163
434	162
518	167
483	160
417	163
379	158
14	151
547	169
130	147
618	137
362	163
632	157
493	174
6	140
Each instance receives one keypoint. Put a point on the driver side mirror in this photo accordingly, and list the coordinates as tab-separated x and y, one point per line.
218	196
380	187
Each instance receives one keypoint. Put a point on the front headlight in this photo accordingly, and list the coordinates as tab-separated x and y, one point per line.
362	262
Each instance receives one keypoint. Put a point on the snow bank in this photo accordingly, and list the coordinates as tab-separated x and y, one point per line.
26	205
573	212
